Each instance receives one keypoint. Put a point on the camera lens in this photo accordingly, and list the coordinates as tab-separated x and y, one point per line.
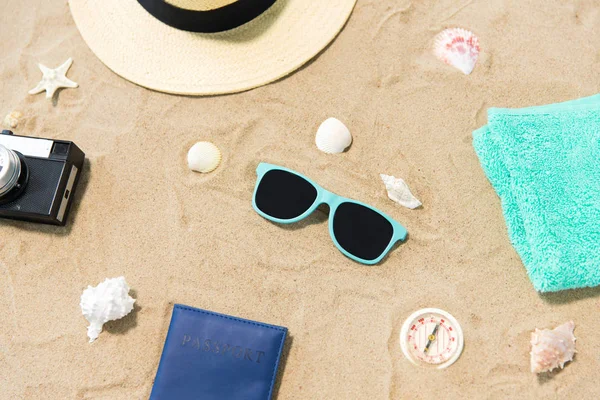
13	173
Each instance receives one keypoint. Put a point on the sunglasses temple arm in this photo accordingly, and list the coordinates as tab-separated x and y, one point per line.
402	233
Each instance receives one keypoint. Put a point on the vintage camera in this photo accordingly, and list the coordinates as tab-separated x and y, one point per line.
38	178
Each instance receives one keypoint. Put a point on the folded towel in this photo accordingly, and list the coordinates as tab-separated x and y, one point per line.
544	163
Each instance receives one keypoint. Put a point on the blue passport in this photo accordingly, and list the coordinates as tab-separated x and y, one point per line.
215	356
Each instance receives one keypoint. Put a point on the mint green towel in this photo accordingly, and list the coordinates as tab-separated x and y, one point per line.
544	163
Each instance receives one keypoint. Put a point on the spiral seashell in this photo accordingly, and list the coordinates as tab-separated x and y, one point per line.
108	301
204	157
552	348
333	136
399	192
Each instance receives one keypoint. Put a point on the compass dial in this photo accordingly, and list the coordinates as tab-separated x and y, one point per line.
431	337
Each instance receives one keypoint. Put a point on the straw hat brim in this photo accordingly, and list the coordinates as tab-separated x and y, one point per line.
143	50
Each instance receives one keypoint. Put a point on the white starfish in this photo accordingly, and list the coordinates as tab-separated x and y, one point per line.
54	79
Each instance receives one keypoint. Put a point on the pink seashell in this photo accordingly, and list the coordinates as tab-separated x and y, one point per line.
552	348
457	47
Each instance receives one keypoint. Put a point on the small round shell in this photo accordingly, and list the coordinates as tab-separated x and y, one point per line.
204	157
12	119
333	136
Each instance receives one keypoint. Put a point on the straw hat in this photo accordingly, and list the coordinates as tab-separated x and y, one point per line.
204	47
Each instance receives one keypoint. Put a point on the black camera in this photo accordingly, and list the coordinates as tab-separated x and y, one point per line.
38	178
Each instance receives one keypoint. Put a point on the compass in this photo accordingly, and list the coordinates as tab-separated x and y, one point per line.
431	337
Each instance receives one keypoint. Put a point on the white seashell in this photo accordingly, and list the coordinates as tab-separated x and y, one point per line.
399	192
333	136
12	119
204	157
108	301
457	47
552	348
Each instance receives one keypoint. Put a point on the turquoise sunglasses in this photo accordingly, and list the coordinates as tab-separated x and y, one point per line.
358	230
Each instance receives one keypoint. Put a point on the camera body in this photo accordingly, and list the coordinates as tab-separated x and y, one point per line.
38	178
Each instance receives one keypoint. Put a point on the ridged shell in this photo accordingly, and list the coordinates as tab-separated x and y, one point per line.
399	192
457	47
204	157
108	301
552	348
333	136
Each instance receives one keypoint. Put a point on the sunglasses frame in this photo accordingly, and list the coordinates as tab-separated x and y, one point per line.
333	201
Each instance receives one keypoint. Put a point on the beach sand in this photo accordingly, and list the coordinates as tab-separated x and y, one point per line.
183	237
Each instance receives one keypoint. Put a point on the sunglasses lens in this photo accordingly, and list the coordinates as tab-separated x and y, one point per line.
361	231
283	195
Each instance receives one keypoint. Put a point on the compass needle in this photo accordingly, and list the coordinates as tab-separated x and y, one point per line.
431	338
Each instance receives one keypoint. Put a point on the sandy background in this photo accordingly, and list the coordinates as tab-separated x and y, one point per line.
183	237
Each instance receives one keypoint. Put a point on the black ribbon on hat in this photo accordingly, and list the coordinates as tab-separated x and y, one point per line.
209	21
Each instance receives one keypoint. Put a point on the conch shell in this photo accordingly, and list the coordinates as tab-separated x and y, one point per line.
399	192
552	348
108	301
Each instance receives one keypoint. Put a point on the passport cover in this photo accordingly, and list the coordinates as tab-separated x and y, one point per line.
215	356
